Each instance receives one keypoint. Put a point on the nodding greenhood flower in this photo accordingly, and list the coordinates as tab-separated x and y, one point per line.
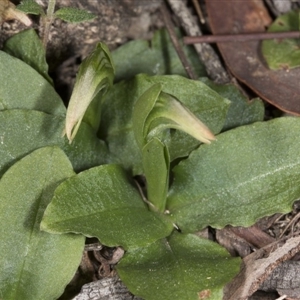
168	112
96	73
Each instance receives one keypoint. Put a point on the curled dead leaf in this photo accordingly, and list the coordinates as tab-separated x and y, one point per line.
8	11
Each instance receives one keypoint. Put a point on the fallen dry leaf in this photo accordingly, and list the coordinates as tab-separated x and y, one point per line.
8	11
244	59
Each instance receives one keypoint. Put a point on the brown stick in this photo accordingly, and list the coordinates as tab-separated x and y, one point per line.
240	37
199	11
170	27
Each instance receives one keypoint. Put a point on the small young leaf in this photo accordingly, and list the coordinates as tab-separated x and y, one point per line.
34	264
101	202
23	87
156	165
182	266
283	54
30	7
248	173
22	131
27	46
74	15
96	73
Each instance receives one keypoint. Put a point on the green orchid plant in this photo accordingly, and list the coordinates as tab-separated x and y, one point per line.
54	194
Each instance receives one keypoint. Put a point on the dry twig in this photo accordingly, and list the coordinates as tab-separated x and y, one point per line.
206	53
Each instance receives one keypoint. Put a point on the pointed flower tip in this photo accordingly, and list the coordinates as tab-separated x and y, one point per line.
207	136
67	133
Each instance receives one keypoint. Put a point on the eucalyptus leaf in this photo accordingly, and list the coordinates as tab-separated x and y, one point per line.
117	111
180	267
74	15
23	87
283	54
101	202
156	166
155	58
248	173
22	131
27	46
95	74
30	7
34	264
241	111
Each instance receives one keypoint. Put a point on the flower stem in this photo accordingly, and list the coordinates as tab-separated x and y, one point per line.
48	21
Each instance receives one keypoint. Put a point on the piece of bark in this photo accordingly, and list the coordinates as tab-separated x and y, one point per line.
253	235
206	53
258	266
285	279
283	6
234	244
106	289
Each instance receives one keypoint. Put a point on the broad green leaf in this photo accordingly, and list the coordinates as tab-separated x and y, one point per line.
30	7
23	87
22	131
117	111
27	46
34	264
241	111
156	166
101	202
74	15
248	173
181	267
283	53
95	74
158	58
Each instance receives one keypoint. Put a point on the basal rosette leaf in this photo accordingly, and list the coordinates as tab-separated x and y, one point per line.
248	173
242	111
23	87
34	264
102	202
180	267
22	131
27	46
